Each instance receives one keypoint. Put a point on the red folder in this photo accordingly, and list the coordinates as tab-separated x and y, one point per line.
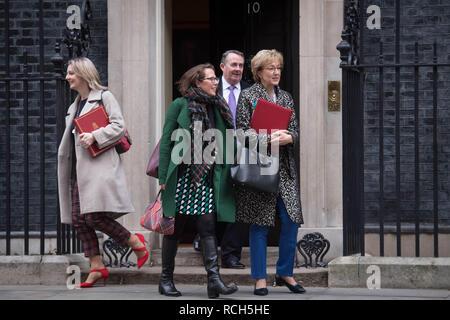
91	121
270	116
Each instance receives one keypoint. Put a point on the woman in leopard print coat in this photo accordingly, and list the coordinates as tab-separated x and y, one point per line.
260	209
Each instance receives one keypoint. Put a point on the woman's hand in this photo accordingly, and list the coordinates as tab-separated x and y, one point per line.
86	140
163	186
282	136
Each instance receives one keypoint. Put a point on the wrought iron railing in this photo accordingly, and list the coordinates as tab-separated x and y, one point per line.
355	97
17	101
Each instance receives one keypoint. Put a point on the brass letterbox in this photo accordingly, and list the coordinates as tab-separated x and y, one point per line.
334	96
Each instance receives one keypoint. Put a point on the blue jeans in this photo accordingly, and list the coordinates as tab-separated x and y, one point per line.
286	249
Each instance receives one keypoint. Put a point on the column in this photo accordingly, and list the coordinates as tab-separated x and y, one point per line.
320	130
138	69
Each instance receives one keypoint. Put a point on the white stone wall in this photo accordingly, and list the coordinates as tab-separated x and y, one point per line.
320	130
139	65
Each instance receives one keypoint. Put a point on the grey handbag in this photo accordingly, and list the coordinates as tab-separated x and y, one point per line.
255	170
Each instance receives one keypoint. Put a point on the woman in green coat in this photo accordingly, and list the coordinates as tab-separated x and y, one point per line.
196	183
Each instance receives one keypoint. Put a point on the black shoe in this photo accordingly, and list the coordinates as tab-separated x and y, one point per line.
216	287
294	288
167	288
196	243
261	292
233	264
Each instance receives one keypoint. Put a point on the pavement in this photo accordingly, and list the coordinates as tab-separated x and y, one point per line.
139	301
198	292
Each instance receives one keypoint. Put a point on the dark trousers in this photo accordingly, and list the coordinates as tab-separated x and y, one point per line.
233	237
87	224
206	225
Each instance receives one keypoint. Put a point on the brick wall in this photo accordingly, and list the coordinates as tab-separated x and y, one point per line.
24	36
424	21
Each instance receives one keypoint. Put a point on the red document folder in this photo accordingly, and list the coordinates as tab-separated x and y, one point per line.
91	121
270	116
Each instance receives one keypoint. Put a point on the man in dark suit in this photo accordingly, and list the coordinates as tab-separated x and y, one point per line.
230	87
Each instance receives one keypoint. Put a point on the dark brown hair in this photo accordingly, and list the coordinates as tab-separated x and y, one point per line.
189	78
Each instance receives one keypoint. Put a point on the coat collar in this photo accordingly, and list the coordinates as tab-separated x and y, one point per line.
243	85
92	101
95	95
184	118
267	97
73	107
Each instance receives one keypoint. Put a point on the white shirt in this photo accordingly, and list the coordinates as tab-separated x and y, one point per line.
226	91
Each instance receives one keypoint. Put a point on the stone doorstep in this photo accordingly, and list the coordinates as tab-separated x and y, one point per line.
316	277
191	257
343	272
189	270
51	270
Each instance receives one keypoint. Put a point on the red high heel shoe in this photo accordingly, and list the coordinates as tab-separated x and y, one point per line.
105	275
142	260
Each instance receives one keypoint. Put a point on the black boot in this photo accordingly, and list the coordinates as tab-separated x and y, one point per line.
210	259
168	253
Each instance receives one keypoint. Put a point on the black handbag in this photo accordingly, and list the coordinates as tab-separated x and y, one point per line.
255	170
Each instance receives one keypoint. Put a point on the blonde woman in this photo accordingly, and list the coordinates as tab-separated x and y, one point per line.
258	208
93	192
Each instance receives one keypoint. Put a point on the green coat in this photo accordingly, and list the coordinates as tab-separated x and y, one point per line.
178	117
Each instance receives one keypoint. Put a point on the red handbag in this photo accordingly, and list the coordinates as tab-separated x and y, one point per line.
152	166
154	219
125	143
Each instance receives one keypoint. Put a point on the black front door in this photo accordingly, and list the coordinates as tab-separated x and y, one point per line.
250	26
247	26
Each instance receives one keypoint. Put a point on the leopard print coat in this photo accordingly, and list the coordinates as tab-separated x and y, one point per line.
260	207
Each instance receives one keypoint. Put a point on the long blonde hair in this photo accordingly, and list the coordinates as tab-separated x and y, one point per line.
85	69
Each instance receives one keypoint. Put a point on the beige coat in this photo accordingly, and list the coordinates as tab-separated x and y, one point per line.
102	184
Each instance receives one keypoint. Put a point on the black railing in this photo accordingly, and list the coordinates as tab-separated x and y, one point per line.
376	89
23	106
352	134
29	170
34	106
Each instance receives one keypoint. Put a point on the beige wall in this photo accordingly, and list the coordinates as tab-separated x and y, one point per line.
139	69
320	130
333	147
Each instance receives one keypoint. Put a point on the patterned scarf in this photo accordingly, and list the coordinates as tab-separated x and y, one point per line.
198	102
